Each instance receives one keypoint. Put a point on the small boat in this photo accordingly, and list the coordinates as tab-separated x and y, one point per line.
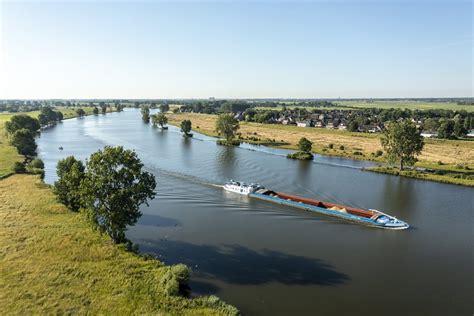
371	217
60	148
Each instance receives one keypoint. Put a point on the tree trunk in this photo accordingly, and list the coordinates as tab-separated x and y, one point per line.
401	164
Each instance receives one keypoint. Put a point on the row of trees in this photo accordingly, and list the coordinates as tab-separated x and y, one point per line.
109	189
49	117
22	130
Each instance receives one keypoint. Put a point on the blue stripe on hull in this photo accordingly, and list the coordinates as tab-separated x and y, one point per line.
316	209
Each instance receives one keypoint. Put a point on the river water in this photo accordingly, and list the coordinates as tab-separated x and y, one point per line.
267	259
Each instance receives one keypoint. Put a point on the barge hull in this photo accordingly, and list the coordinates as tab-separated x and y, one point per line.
317	209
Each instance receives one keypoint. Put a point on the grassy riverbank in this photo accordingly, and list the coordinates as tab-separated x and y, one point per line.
439	154
52	262
459	178
8	154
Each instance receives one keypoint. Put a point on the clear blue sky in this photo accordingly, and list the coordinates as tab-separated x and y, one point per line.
236	49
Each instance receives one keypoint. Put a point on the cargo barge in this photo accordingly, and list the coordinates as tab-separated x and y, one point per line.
370	217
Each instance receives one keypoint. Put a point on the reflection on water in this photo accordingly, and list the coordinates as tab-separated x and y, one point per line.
269	259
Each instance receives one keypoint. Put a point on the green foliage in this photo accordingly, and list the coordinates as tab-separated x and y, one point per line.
164	108
331	146
186	127
230	143
145	114
19	167
70	173
402	142
80	112
23	140
305	145
353	126
22	121
227	125
342	147
113	189
95	110
103	109
301	155
459	130
159	119
37	163
378	153
446	129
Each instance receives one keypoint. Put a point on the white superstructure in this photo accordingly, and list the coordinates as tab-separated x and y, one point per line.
241	188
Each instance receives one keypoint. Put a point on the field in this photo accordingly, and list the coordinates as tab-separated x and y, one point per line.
356	145
412	105
52	262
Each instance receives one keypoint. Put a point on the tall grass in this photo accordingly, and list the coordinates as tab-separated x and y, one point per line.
52	262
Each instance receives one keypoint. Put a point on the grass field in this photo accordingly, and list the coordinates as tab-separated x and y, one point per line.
8	154
412	105
52	262
446	151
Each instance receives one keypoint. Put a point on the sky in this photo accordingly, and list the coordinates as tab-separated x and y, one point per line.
231	49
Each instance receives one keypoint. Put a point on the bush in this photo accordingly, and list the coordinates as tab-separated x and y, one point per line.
37	163
358	153
18	167
225	142
342	147
301	155
331	146
378	153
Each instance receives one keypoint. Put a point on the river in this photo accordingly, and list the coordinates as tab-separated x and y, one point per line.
267	259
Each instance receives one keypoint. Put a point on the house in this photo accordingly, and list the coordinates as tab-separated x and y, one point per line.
429	134
319	124
342	126
304	124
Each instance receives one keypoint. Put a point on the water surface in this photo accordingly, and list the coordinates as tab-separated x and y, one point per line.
268	259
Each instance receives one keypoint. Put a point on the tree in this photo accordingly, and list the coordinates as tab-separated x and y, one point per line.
227	125
353	126
305	145
164	108
24	142
95	110
80	112
459	130
446	129
70	173
186	127
145	114
22	121
467	123
159	119
103	109
402	142
113	189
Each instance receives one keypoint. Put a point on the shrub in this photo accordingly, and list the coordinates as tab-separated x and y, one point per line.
18	167
358	153
301	155
331	146
224	142
37	163
378	153
342	147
